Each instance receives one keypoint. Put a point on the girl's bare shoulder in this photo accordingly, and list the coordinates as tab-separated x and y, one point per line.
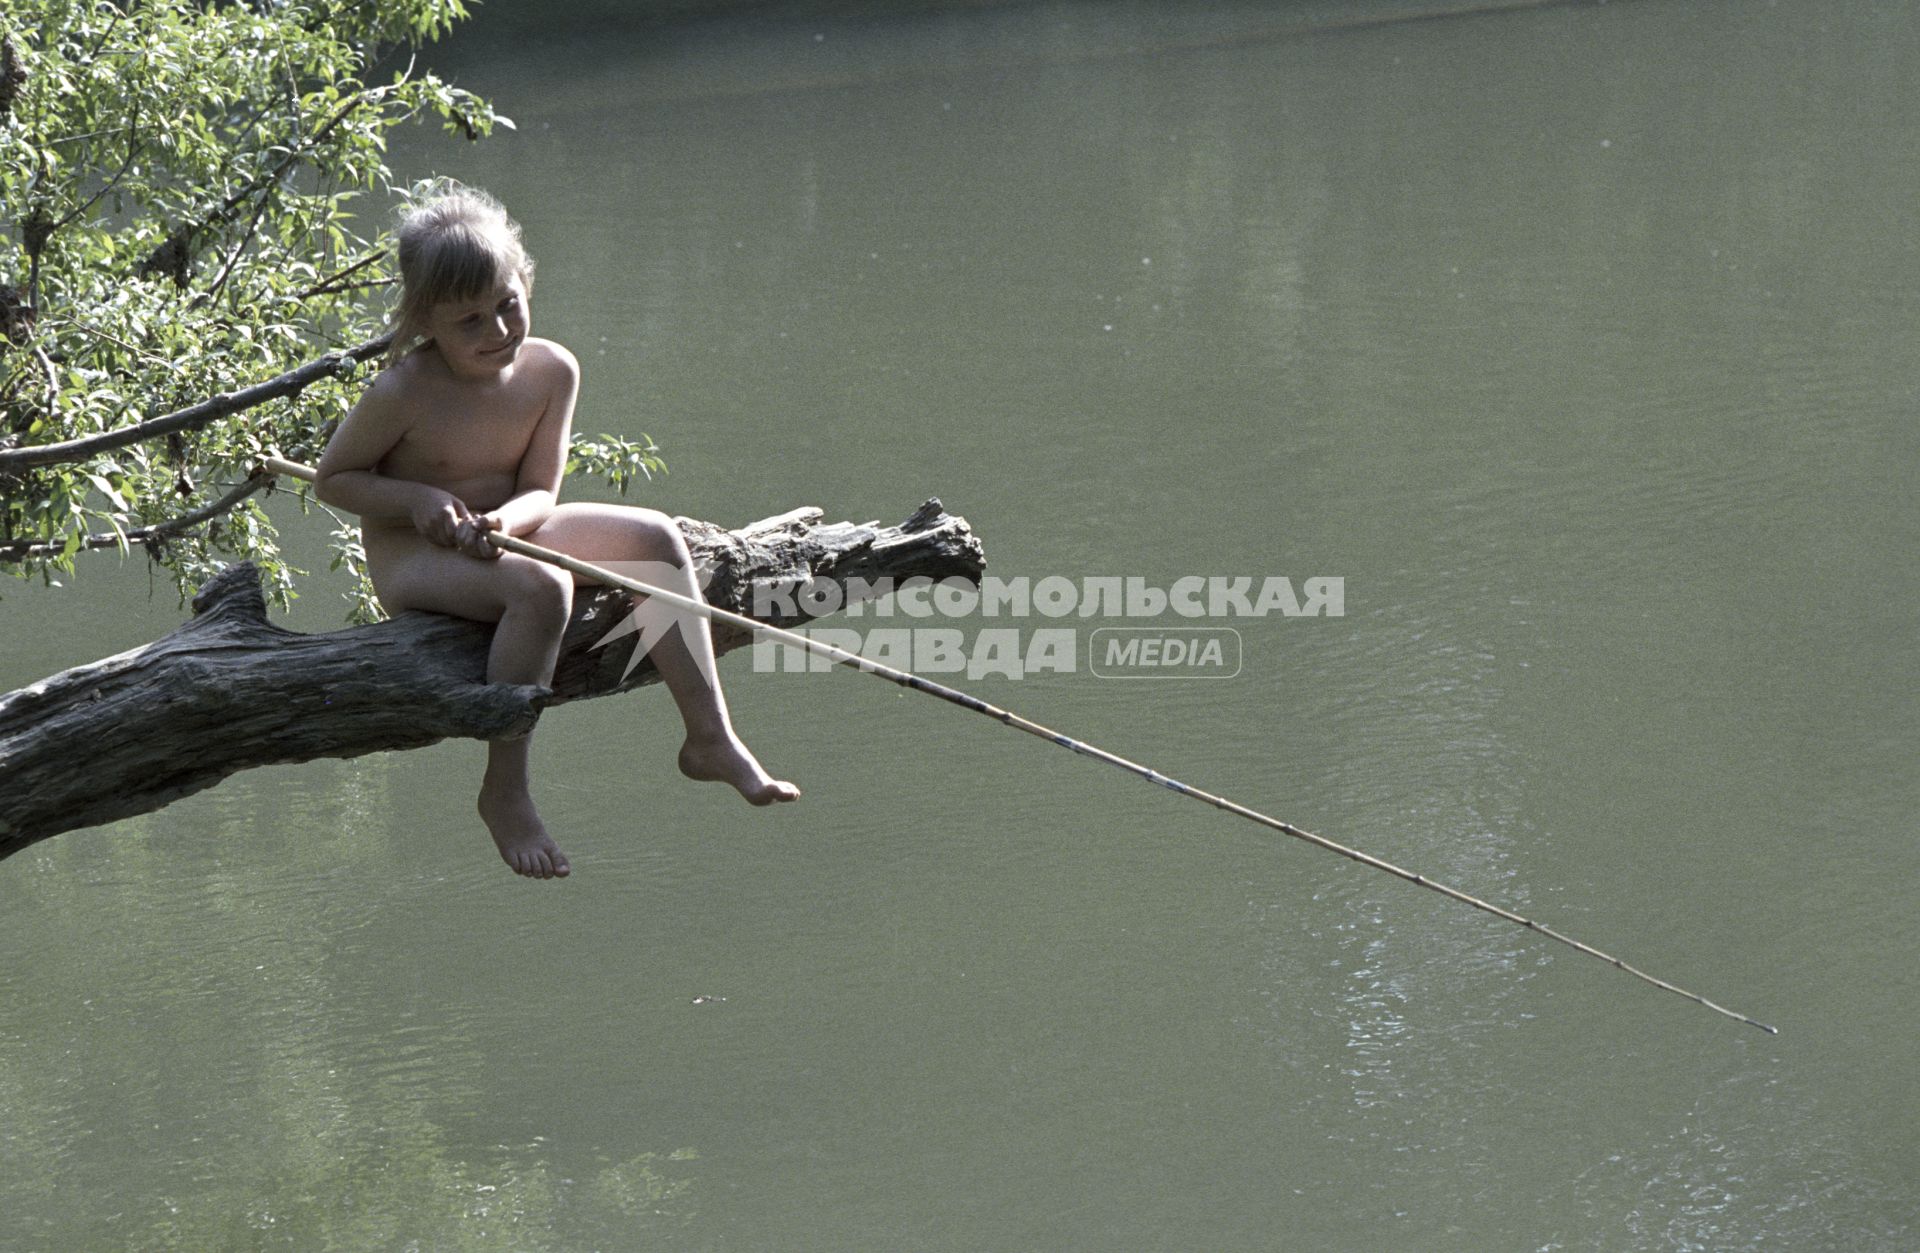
400	379
551	356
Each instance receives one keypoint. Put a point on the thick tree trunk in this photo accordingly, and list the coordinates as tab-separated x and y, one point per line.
228	690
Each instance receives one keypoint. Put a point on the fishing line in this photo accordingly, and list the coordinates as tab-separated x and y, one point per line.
954	696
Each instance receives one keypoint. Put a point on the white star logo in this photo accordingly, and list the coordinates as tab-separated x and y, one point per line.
652	618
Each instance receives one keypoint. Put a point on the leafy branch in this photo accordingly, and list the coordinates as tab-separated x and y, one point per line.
202	414
156	533
181	188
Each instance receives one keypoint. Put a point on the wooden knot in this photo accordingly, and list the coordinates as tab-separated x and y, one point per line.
233	593
926	516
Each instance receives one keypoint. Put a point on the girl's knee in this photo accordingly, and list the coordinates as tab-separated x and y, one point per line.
539	587
659	533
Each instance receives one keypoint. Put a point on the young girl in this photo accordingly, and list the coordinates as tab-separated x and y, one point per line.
466	433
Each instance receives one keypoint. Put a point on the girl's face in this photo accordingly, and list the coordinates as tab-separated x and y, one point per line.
482	336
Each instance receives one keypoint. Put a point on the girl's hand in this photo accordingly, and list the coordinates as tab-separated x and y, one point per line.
439	518
471	536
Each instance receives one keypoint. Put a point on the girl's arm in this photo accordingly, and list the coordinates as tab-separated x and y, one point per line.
345	477
537	486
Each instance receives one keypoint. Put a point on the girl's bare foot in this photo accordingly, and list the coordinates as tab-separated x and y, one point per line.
522	838
725	759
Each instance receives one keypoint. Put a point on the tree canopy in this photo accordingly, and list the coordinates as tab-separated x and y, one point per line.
190	276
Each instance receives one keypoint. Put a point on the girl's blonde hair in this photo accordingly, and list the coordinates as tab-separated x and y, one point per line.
457	244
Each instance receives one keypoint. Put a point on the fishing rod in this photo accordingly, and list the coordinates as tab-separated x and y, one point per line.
907	679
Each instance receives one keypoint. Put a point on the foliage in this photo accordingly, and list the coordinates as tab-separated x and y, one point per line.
181	188
615	459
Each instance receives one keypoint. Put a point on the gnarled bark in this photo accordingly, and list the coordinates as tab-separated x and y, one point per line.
229	690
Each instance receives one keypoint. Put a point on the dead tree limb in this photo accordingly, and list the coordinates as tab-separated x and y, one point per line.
228	690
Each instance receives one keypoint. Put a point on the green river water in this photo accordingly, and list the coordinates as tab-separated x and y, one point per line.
1579	341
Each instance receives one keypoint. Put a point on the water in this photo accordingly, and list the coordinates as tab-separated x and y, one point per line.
1577	340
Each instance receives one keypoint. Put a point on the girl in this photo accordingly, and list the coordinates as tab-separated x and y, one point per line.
467	432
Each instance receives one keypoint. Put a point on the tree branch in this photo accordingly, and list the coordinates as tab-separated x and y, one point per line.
53	376
110	337
229	690
240	246
330	284
133	154
19	550
205	413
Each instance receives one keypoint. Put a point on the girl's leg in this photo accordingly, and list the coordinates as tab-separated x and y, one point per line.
506	806
684	656
530	601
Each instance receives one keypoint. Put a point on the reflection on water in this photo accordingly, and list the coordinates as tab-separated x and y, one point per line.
1587	368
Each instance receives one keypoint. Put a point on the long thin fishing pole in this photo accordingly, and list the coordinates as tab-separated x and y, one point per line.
908	679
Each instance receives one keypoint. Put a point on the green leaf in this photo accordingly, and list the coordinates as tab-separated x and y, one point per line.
106	489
